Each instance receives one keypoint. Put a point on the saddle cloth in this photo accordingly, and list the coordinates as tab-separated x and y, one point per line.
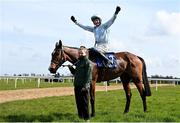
110	55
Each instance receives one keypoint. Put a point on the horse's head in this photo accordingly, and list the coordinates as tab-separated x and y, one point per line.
58	57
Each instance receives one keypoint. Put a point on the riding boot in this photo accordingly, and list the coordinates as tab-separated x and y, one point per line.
106	60
102	56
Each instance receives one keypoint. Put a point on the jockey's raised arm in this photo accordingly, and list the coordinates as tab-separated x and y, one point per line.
109	22
100	32
88	28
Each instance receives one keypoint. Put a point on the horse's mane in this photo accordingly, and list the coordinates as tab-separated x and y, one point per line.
90	54
71	47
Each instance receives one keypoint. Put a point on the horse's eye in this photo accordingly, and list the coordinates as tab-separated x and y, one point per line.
56	53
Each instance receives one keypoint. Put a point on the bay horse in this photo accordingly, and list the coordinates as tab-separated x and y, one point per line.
129	67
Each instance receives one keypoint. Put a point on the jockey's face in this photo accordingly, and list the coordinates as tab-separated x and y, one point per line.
96	22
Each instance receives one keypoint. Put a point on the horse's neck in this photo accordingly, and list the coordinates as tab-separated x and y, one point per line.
71	54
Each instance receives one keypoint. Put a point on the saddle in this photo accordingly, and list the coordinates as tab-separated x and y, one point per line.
111	57
97	57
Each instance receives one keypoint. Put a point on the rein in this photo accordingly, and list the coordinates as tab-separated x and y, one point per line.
68	57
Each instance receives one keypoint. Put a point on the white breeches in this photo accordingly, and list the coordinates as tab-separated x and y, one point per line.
102	47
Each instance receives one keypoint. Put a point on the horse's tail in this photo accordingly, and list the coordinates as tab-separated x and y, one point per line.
145	79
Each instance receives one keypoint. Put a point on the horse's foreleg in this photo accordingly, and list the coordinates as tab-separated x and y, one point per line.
128	96
142	94
92	100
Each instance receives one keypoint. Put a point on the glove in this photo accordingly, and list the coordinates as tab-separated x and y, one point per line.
117	10
73	19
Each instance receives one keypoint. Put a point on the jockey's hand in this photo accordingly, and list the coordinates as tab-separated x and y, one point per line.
117	10
73	19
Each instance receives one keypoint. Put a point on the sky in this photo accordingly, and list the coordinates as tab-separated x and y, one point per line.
29	30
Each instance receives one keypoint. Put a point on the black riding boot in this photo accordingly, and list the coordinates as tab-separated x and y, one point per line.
105	59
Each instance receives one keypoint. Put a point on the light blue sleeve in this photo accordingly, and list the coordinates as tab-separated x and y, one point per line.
109	22
88	28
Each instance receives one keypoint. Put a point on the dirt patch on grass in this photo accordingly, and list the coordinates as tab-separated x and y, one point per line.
25	94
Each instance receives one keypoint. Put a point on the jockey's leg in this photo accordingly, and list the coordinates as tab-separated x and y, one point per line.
100	55
106	60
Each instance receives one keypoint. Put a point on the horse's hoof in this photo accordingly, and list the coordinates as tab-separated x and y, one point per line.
125	112
145	110
92	115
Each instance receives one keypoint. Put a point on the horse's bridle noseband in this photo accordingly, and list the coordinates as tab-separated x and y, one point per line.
62	60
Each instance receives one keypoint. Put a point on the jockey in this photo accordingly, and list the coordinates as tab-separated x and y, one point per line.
100	33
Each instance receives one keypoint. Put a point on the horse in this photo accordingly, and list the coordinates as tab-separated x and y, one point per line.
129	68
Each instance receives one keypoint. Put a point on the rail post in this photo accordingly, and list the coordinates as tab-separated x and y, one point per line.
15	83
7	80
174	83
105	83
22	80
39	81
156	85
52	81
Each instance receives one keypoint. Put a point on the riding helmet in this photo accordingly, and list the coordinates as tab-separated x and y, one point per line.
94	17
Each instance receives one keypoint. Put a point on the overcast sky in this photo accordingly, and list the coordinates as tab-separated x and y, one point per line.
29	30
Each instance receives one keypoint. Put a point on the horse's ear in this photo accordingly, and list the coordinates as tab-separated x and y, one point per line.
56	44
60	43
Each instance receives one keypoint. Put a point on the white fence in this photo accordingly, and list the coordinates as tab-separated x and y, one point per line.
159	81
29	78
155	81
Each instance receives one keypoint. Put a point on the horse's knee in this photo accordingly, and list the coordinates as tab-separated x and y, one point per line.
128	96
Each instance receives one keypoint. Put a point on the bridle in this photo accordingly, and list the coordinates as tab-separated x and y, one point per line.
58	62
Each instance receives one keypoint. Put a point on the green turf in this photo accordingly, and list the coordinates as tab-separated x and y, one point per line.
163	106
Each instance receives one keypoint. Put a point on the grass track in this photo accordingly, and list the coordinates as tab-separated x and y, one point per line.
163	106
